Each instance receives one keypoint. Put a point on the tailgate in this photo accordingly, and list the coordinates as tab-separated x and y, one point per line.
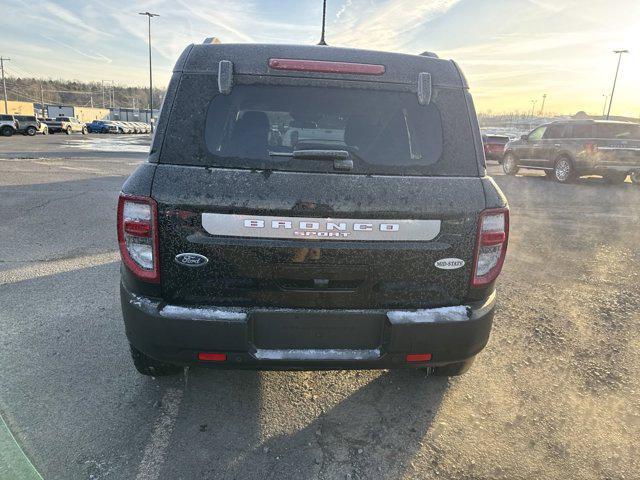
396	229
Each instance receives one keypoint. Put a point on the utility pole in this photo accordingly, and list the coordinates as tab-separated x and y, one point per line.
615	79
533	108
149	15
42	99
544	98
113	94
604	107
103	104
4	85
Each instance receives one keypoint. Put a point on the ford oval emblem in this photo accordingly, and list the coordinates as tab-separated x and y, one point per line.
191	260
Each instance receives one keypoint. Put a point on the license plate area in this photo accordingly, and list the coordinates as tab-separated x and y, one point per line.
316	330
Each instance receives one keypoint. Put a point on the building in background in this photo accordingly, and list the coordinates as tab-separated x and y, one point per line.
17	108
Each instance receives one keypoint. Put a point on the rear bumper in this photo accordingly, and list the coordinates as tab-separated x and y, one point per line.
176	334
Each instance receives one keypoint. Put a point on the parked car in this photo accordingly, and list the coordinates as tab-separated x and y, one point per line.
101	126
8	125
67	125
123	127
494	146
143	127
570	148
30	125
381	251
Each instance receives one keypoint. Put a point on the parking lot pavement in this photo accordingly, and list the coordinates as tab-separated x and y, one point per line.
554	395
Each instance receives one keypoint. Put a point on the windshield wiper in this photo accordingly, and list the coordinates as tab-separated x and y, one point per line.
314	154
341	158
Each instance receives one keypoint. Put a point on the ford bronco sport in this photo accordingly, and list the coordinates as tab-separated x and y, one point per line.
372	238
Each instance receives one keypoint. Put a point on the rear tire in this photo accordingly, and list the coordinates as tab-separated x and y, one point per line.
146	365
68	131
451	369
6	131
31	131
510	164
563	170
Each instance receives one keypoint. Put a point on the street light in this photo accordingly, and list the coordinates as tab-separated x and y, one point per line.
544	98
149	15
615	79
604	107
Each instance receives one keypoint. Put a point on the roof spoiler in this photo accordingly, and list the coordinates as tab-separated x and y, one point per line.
424	88
225	76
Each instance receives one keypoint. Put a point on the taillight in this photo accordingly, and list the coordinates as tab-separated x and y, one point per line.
138	236
591	147
493	233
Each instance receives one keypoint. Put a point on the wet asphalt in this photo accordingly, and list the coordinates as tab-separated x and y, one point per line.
554	395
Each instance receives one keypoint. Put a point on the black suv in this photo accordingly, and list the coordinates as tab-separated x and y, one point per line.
568	149
372	238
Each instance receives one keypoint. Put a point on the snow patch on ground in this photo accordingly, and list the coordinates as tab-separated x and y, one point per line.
431	315
174	311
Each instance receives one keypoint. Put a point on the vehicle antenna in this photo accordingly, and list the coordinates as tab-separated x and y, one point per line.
324	17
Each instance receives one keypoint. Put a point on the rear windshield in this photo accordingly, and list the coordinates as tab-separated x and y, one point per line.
264	120
259	125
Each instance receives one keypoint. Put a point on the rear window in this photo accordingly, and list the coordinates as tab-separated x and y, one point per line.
495	139
262	121
618	131
261	124
584	130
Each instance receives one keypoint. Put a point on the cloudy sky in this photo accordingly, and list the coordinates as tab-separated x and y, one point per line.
512	51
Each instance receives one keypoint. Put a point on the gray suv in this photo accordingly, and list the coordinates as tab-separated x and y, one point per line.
568	149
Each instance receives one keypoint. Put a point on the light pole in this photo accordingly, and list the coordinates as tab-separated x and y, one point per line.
4	85
615	79
533	107
604	107
544	98
149	15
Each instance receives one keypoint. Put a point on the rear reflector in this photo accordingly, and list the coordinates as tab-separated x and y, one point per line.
418	357
212	357
325	67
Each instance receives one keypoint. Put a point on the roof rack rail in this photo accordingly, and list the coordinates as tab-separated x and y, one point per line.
212	40
429	54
